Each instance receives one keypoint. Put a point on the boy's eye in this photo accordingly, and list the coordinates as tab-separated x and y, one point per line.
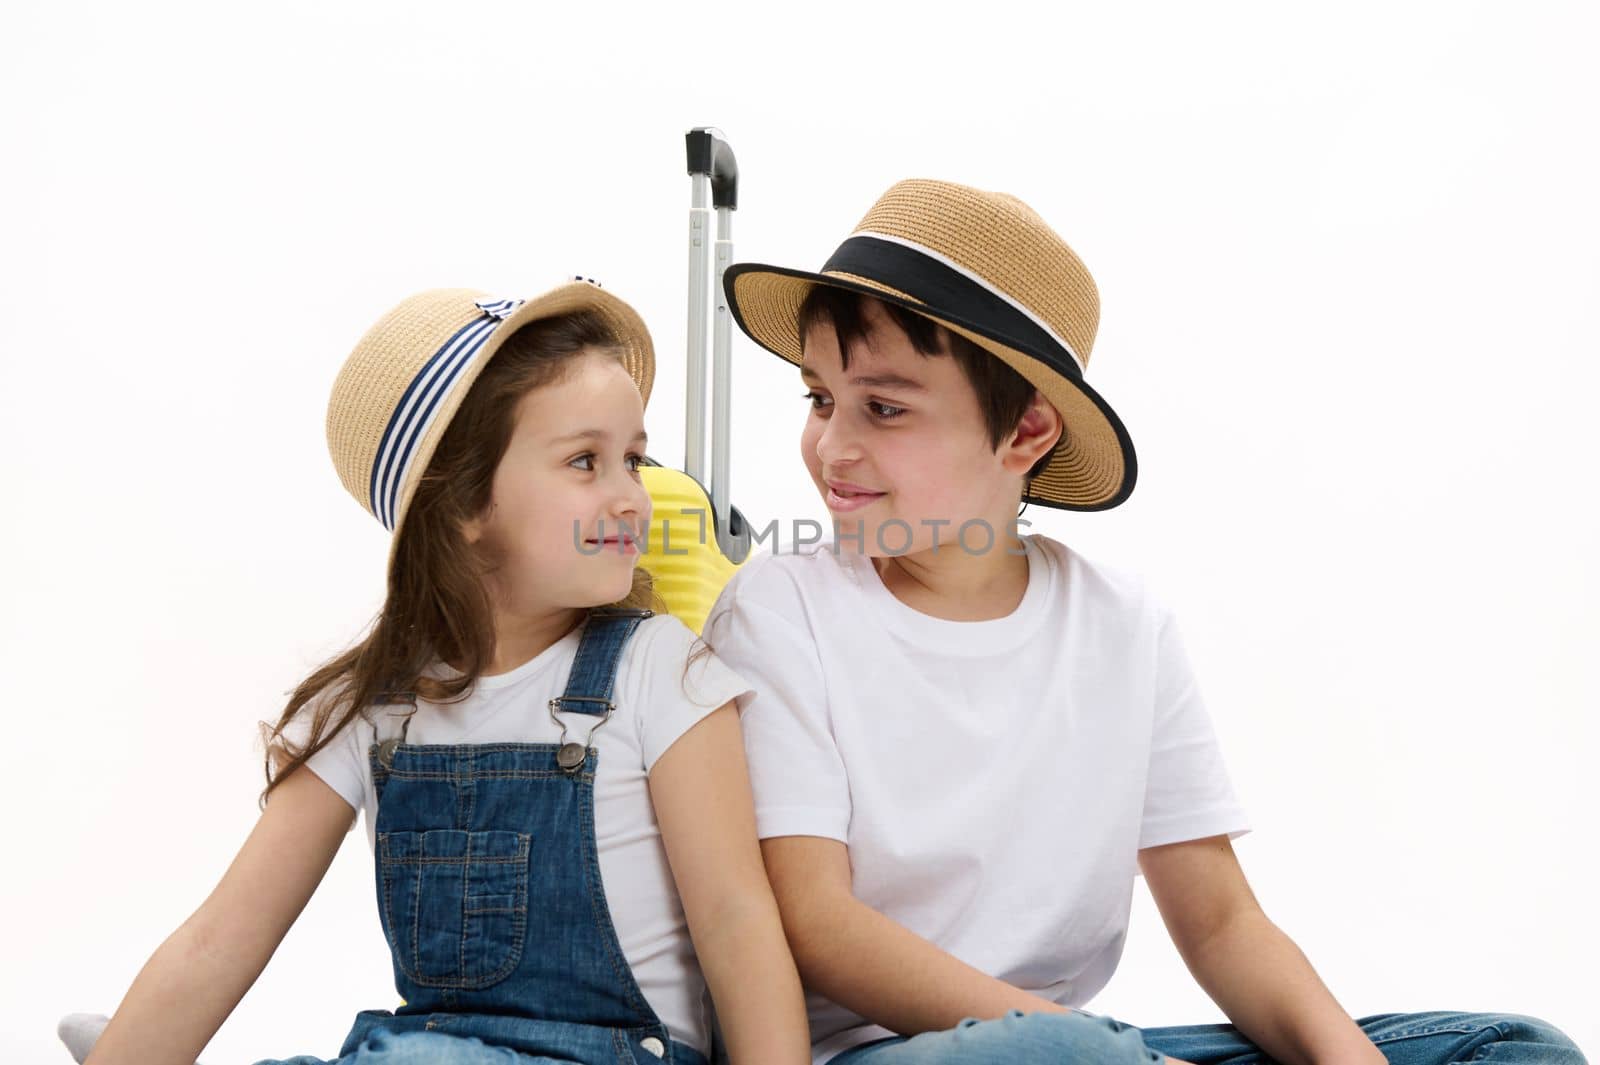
633	462
586	458
881	411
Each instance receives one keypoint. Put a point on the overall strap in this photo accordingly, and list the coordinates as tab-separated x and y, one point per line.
594	670
594	674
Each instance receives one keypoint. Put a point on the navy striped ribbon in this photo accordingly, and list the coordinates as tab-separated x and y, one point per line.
420	405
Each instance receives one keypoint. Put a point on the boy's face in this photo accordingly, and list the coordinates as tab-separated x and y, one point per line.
897	445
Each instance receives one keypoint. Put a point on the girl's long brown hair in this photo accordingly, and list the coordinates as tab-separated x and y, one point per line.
437	607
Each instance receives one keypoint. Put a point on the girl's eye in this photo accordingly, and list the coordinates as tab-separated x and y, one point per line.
816	399
585	462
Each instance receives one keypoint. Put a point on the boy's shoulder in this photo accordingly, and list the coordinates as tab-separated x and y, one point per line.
1093	579
789	582
796	584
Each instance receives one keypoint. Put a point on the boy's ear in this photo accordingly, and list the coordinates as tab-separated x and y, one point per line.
1035	436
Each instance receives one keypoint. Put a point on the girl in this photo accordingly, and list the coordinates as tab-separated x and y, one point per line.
554	789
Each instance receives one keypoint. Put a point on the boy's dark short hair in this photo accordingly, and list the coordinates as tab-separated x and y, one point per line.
1003	393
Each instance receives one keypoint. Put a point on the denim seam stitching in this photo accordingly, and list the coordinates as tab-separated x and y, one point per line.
1432	1029
467	803
461	940
388	892
482	774
468	860
412	967
602	911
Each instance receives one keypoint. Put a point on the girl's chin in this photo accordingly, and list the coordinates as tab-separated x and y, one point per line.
601	588
622	587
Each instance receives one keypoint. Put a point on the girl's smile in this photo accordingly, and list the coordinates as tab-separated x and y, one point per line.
625	543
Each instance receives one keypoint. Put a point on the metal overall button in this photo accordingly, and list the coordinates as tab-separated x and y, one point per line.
571	756
654	1046
386	748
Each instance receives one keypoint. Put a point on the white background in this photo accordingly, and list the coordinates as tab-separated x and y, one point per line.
1348	264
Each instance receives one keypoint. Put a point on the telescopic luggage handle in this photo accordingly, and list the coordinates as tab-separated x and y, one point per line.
711	155
715	176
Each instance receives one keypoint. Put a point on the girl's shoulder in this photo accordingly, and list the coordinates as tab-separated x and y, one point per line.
661	634
661	647
668	680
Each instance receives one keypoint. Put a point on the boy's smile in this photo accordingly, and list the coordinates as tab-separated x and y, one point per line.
843	496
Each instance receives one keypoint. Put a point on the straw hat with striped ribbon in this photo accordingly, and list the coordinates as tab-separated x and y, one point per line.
404	381
985	266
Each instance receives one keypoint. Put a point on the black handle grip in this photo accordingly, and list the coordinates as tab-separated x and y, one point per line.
710	153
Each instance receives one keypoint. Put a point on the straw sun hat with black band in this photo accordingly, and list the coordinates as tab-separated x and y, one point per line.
984	266
405	380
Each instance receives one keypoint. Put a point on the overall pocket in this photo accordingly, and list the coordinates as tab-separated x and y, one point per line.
455	904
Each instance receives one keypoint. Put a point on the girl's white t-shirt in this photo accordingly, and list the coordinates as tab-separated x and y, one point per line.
656	703
993	780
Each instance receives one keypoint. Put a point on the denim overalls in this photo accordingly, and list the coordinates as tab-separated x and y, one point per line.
489	888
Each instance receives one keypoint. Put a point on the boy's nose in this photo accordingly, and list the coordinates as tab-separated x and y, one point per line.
837	443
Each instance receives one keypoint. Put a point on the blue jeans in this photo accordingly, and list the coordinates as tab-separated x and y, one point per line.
424	1048
1056	1038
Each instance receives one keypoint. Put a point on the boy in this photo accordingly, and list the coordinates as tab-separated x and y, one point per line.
964	743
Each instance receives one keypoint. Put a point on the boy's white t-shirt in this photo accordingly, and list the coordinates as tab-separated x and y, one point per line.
656	703
993	780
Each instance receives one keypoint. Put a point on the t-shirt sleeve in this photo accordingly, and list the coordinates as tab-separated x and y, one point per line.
796	773
676	684
1188	794
342	763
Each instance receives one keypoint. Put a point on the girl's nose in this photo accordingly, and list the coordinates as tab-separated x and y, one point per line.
632	503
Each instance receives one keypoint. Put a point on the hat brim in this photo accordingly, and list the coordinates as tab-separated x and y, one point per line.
624	322
1093	467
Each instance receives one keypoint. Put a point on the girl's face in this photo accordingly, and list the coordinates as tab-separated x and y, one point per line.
897	445
566	504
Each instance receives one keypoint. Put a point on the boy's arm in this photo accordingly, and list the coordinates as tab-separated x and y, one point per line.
1242	960
195	979
867	962
843	948
701	793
